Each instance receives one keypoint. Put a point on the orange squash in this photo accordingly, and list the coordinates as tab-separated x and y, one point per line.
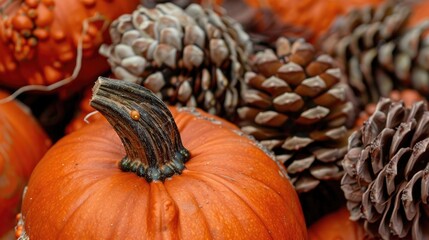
153	179
315	15
22	144
39	39
337	226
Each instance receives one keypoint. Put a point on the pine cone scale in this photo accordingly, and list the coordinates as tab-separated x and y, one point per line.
288	102
292	73
330	171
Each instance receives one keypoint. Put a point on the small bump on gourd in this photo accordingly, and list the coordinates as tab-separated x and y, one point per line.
32	13
21	22
32	41
45	16
66	56
32	3
58	35
88	3
57	64
41	34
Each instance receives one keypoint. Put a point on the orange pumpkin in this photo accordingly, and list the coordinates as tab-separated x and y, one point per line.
39	39
337	226
153	179
22	145
317	15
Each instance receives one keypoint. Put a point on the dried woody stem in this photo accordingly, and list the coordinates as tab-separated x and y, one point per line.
146	127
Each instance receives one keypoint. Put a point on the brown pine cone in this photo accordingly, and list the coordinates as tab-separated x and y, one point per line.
192	57
386	183
296	107
378	53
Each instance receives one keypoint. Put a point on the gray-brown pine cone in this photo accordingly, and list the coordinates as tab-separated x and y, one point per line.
378	53
192	57
296	107
386	183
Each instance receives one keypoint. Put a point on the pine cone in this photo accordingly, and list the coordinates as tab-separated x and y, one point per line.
296	107
193	57
386	183
378	53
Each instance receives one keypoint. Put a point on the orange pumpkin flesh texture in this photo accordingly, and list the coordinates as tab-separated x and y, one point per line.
229	189
39	40
22	145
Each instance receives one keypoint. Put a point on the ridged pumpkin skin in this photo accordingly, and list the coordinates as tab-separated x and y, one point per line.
230	189
337	226
22	145
39	40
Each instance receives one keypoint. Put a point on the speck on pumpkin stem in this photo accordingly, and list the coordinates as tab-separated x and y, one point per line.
145	126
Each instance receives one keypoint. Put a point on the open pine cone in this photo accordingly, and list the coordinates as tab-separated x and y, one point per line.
296	107
386	182
192	57
377	51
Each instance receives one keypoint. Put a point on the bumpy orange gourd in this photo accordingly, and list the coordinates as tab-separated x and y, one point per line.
22	145
337	226
218	184
39	39
316	15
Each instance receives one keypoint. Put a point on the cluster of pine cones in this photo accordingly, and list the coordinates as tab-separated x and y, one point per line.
302	100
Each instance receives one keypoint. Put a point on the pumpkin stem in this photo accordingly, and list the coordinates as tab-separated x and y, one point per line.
146	127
